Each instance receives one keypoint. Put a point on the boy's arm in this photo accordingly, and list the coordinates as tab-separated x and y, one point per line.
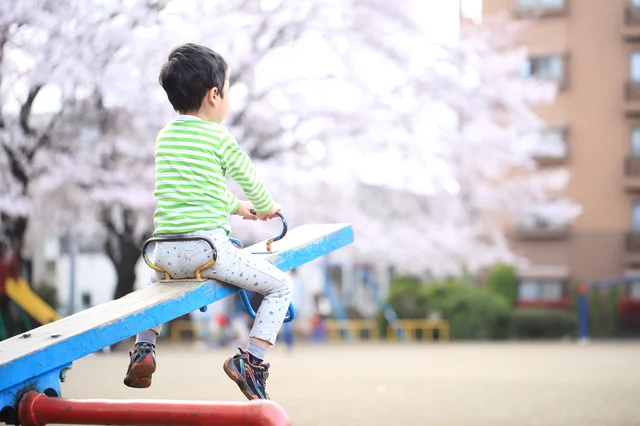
234	202
241	170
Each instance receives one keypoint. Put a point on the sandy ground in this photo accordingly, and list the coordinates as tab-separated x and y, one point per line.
554	384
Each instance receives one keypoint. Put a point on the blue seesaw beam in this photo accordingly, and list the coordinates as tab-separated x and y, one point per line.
39	359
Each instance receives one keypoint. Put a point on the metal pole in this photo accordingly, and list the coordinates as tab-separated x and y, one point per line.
36	409
72	251
583	313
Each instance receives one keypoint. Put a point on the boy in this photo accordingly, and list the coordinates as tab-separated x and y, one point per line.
193	154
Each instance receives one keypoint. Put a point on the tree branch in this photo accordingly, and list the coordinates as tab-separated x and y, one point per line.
16	168
3	42
25	110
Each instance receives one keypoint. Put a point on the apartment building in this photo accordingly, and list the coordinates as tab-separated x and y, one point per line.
591	48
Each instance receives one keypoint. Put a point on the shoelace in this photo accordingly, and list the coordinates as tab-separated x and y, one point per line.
141	350
262	374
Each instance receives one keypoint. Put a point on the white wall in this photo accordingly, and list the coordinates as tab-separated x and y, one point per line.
95	274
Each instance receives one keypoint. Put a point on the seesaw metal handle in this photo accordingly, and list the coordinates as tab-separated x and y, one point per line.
209	264
285	228
236	242
291	312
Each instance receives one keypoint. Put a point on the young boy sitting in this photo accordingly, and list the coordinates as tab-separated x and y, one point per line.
193	154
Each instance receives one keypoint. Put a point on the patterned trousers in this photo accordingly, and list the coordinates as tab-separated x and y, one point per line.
233	266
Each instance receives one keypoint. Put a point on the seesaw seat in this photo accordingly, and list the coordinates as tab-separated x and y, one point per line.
38	360
291	312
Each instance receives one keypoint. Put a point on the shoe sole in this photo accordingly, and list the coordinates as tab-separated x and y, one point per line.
240	381
140	374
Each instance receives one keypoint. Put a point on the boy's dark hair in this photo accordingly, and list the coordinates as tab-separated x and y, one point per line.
190	72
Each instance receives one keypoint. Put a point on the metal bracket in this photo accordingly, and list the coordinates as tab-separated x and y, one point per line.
47	383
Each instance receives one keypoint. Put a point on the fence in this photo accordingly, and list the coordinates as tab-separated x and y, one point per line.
369	330
360	330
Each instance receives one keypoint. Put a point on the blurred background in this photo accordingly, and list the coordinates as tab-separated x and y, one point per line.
486	152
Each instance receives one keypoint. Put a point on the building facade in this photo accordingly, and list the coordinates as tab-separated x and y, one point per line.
591	48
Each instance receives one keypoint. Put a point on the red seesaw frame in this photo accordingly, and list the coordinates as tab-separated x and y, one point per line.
36	409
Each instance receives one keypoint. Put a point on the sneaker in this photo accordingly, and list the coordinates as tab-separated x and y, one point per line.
250	378
141	366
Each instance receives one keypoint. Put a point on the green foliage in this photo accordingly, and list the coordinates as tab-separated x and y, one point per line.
472	312
541	323
596	323
407	297
613	325
503	279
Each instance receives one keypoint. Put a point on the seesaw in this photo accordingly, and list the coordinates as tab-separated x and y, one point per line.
33	364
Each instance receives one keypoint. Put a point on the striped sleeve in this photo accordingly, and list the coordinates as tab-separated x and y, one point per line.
241	170
234	202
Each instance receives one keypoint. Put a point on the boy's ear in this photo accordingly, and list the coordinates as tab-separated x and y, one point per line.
212	96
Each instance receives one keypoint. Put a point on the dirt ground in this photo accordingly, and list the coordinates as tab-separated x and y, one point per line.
453	384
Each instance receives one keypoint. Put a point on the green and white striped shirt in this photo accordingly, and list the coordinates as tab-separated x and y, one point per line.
192	158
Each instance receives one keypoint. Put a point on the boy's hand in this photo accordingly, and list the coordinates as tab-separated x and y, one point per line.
246	211
270	215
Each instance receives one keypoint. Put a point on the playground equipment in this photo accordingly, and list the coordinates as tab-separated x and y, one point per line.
583	301
360	328
33	364
388	312
346	327
22	295
336	306
291	312
38	410
11	325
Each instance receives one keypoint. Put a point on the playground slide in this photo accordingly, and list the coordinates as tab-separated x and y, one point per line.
23	296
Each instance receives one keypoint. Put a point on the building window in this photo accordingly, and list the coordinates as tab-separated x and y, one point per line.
551	67
635	216
635	141
554	143
532	4
634	291
634	71
537	223
535	290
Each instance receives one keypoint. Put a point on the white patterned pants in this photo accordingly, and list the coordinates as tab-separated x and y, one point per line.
233	266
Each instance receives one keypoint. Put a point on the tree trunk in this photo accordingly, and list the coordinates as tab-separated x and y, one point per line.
13	233
125	268
124	250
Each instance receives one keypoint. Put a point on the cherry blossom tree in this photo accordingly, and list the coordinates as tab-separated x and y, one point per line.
70	54
437	165
350	112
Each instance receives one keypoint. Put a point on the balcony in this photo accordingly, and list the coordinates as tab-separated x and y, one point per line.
553	67
631	26
554	148
541	8
632	98
542	232
631	179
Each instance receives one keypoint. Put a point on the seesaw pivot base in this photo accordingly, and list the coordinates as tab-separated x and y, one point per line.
47	383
